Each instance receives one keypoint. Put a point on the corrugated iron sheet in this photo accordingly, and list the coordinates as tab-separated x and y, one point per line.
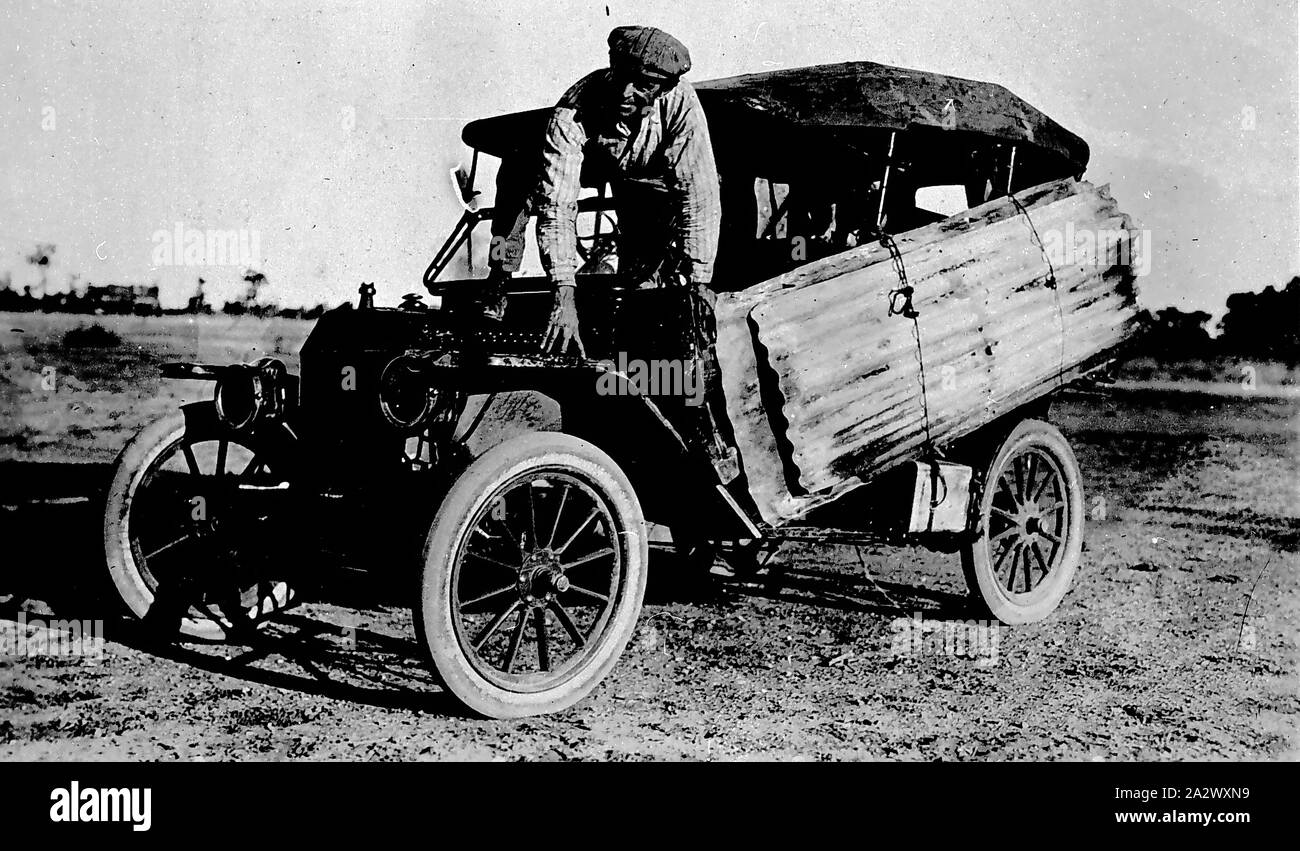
823	385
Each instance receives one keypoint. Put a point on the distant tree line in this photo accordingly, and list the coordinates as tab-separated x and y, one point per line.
1263	325
140	300
106	300
1260	326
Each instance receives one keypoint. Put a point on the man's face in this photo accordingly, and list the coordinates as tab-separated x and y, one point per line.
634	92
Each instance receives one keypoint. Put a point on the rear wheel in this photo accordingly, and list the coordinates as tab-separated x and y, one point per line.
1031	526
534	573
187	530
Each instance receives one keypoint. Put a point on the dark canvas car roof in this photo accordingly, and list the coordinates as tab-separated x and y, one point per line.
849	102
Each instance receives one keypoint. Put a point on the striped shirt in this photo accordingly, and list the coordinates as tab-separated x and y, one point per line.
664	179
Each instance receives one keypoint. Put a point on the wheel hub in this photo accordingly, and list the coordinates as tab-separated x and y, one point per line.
541	577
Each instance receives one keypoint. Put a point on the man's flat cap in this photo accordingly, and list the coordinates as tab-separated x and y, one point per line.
656	52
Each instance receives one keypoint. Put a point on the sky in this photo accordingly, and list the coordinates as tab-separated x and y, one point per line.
324	131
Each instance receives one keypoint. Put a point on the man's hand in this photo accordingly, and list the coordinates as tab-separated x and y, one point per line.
563	325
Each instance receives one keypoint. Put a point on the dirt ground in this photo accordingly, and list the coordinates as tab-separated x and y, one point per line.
1179	640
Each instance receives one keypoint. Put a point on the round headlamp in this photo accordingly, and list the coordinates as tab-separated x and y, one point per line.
249	393
405	398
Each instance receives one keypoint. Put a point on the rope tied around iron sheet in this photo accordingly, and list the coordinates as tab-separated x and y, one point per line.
1051	285
900	304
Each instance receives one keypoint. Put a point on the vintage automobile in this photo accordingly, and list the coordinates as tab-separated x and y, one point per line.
896	308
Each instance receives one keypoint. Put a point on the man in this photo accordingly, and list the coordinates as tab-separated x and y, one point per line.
638	126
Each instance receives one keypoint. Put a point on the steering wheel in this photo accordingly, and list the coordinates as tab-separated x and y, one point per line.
587	244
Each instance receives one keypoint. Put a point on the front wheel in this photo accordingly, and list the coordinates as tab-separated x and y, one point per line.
534	572
191	527
1031	526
